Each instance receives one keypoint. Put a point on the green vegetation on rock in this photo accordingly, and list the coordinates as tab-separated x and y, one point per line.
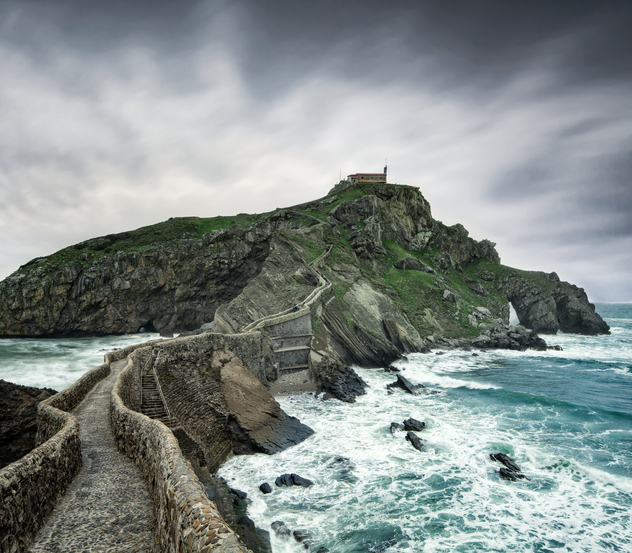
397	276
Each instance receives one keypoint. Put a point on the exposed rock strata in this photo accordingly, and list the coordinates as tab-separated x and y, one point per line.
223	406
397	275
337	380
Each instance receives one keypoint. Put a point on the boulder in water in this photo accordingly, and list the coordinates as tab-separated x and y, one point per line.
396	427
293	480
280	529
511	471
414	424
405	384
415	441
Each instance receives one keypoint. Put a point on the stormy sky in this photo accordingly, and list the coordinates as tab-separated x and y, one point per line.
514	118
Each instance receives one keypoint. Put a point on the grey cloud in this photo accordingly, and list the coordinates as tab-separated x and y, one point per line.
513	120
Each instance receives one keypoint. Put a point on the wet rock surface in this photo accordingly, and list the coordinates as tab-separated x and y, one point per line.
510	471
292	479
18	419
415	441
338	380
414	424
403	383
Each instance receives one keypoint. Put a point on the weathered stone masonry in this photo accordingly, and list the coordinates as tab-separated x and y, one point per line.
187	521
31	486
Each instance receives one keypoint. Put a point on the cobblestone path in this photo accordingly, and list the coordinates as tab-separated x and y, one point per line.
107	507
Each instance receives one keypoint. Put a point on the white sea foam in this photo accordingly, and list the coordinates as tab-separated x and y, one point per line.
57	363
448	497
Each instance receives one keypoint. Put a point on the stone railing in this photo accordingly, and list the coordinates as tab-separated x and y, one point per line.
187	521
31	486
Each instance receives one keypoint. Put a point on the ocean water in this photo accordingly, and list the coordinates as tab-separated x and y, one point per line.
564	416
58	362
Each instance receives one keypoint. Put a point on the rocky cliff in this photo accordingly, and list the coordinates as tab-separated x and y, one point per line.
397	277
18	419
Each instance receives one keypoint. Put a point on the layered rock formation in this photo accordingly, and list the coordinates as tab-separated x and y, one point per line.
222	405
397	276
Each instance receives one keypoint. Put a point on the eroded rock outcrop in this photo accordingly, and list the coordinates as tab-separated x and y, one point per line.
396	277
169	287
18	419
223	406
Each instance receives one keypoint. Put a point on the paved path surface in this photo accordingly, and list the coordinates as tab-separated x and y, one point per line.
107	507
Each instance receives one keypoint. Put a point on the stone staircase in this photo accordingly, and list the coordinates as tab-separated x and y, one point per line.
291	343
152	404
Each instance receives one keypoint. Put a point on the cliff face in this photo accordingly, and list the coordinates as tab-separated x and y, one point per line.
397	276
175	286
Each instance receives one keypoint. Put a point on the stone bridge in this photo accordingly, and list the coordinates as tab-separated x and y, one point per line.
125	486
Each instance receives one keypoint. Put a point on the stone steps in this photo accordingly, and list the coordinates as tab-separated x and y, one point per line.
152	404
293	348
293	368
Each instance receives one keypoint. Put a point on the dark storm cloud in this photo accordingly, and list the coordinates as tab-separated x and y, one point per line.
513	117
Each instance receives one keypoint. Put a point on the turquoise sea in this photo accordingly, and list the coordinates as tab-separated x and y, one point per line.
564	416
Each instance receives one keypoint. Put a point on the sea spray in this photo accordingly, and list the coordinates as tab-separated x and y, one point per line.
564	416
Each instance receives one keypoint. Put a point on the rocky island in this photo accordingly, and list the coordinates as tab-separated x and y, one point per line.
286	300
397	276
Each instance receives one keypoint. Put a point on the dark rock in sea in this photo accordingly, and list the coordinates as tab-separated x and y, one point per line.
403	383
265	488
280	529
546	304
338	380
322	549
238	493
340	462
511	471
342	465
391	369
415	441
439	352
246	522
510	475
293	480
505	460
396	427
511	337
300	535
414	424
556	348
18	419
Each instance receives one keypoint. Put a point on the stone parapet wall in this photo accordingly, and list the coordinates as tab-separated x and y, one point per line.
31	486
120	354
187	521
292	357
292	324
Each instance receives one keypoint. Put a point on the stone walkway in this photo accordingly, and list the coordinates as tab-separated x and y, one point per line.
107	507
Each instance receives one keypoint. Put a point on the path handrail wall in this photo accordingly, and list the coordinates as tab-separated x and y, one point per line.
187	520
307	302
31	486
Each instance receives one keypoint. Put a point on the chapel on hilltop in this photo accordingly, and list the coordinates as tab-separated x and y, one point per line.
368	177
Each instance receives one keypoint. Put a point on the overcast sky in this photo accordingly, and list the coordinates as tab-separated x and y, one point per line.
513	117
